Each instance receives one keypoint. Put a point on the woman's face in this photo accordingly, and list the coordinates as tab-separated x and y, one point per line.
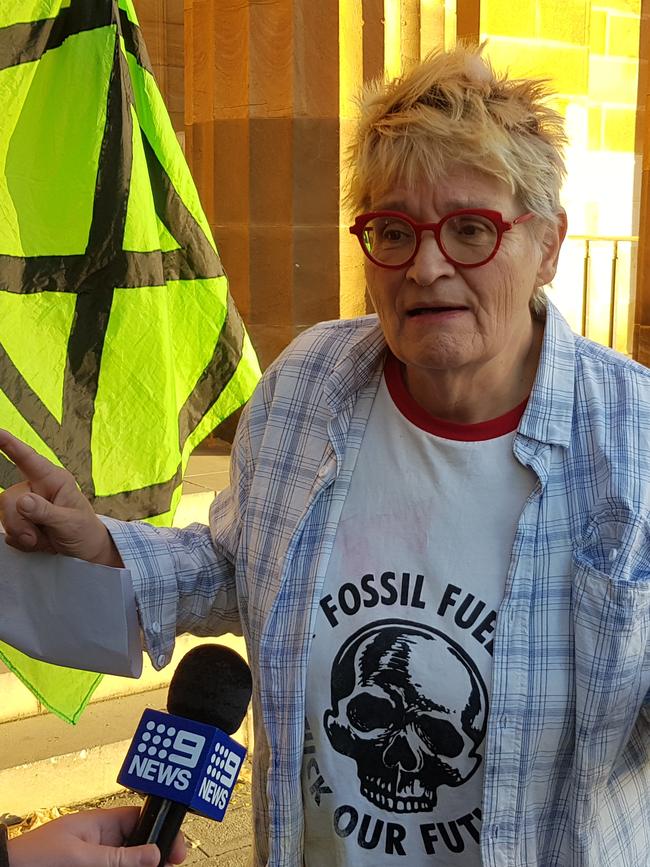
440	317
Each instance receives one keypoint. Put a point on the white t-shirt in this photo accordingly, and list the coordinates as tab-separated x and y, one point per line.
398	684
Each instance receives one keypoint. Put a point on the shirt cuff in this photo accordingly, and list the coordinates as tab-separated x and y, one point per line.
147	557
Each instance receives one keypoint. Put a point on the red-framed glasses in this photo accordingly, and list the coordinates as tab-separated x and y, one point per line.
467	238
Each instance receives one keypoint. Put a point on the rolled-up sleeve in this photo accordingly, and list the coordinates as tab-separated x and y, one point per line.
181	583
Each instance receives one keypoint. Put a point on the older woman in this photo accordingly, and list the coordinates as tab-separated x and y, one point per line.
436	536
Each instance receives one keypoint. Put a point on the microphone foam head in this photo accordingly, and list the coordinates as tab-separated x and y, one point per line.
212	684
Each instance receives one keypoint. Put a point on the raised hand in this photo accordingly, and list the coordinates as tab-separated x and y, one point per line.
48	512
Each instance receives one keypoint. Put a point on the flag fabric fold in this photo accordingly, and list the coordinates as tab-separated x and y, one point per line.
120	345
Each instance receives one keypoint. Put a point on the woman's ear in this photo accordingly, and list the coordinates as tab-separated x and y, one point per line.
551	242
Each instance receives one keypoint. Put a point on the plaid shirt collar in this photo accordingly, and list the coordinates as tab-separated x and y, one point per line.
548	416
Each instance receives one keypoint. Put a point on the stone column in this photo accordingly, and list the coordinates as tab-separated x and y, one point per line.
269	111
262	127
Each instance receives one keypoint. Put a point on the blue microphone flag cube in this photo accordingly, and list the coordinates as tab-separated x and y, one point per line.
184	761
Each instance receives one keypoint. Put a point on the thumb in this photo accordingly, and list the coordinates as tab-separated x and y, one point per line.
40	511
137	856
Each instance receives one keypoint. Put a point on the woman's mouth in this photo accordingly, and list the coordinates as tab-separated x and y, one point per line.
438	312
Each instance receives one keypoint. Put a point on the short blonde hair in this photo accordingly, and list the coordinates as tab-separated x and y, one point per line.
454	109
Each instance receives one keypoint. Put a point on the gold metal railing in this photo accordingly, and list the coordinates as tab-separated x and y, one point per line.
614	288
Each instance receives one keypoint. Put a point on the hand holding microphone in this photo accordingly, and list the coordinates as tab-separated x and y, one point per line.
185	760
90	839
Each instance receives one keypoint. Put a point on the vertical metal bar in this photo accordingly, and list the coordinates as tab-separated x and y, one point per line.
612	296
585	289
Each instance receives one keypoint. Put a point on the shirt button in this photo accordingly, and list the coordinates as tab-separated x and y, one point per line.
155	627
322	472
162	659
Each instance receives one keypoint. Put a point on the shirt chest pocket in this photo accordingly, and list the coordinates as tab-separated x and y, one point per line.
611	618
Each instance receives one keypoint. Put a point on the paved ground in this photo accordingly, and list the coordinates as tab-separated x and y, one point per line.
210	844
208	467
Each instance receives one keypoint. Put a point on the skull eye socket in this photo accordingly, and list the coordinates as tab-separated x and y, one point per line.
440	736
368	712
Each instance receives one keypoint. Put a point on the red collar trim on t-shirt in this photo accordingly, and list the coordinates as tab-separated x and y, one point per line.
410	409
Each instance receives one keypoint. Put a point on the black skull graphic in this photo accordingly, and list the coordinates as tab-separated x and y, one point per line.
408	733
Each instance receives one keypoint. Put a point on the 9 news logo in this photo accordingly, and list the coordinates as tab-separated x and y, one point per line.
221	775
165	754
184	761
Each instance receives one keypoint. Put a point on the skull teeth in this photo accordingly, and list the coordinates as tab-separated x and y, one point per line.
372	787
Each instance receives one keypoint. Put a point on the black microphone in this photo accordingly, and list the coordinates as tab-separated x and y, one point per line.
184	760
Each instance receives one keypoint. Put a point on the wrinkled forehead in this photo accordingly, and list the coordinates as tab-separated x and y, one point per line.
457	186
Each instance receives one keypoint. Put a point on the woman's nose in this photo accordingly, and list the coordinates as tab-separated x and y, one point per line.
429	262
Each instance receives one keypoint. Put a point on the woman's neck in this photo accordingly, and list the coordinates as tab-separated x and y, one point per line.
469	395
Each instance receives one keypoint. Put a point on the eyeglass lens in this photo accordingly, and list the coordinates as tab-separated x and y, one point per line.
466	238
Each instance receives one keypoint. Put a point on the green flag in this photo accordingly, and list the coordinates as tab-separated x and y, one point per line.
120	346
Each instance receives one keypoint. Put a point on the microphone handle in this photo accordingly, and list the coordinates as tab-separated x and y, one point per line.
159	822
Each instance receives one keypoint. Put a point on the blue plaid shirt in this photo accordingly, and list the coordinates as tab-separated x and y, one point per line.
567	769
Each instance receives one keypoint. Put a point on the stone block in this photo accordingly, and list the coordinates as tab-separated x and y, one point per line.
271	275
315	58
150	10
623	36
173	39
613	79
201	64
598	31
230	34
565	66
173	11
271	168
231	161
632	7
563	21
271	52
315	170
373	39
505	18
618	129
316	274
